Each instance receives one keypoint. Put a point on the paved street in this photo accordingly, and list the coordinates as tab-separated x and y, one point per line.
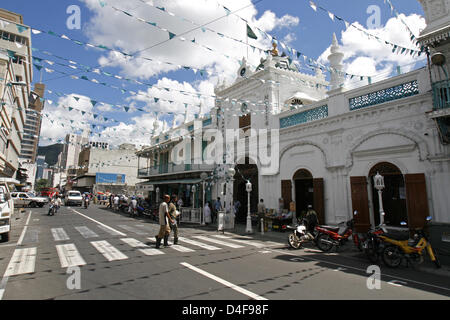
118	260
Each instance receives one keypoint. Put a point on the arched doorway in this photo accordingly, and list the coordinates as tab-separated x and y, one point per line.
304	191
244	172
394	194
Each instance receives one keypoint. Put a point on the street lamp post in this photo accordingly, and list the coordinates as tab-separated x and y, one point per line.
193	189
378	181
157	195
248	187
231	173
203	176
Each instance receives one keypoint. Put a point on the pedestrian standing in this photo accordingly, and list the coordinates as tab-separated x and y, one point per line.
173	214
207	212
217	208
116	202
261	214
164	220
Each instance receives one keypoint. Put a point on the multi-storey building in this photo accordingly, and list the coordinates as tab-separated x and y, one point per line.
15	88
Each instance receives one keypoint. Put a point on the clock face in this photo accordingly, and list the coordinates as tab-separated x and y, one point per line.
242	72
244	108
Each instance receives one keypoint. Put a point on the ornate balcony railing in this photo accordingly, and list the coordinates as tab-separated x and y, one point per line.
305	116
173	168
441	94
401	91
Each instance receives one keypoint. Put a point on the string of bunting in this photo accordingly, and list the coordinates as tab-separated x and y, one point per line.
395	47
393	10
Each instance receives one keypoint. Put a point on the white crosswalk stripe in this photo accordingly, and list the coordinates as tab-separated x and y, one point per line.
250	243
86	232
22	261
59	234
179	248
223	243
198	244
141	247
132	229
108	251
69	255
111	232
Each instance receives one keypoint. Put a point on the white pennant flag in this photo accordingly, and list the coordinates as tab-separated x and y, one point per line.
36	31
313	5
331	15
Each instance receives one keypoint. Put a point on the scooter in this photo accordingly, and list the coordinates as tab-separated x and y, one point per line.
52	209
86	203
372	245
300	235
330	237
411	249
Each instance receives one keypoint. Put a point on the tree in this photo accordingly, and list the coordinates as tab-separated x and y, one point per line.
41	183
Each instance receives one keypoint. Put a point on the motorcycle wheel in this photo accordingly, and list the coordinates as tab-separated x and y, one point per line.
324	246
392	256
293	242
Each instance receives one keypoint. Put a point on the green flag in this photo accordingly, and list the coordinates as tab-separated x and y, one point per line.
250	33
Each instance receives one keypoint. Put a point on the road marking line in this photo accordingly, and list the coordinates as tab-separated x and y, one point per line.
223	243
86	232
224	282
69	255
59	234
266	243
131	229
5	276
22	261
24	230
108	251
250	243
198	244
111	232
98	222
141	246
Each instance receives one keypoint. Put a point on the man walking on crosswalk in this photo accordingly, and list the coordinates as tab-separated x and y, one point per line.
164	219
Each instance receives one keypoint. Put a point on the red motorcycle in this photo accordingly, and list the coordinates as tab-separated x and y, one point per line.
330	237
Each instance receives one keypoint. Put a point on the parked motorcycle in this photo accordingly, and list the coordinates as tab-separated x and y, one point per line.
300	235
396	250
329	236
372	245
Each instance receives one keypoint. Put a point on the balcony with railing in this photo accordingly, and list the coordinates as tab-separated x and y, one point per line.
171	168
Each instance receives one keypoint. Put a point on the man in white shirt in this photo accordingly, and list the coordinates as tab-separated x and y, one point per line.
116	202
164	219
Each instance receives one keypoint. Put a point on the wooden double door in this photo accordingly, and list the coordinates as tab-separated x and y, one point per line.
308	191
415	195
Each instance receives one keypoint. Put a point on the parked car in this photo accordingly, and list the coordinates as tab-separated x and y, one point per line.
28	199
6	209
73	197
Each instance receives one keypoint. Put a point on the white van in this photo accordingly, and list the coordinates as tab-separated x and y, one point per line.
6	208
73	197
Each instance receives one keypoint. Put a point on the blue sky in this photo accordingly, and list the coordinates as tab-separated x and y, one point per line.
293	22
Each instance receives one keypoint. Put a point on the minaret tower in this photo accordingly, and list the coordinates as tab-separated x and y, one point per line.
335	58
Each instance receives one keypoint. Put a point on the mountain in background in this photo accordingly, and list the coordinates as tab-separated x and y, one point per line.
51	153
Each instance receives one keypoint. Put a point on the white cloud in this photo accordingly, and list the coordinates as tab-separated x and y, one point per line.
115	29
367	57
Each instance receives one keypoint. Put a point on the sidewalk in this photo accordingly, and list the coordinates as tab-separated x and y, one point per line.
276	236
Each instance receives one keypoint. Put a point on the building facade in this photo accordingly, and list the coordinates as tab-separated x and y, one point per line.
304	141
103	170
15	88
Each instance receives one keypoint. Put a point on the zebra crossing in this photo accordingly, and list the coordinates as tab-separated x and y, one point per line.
24	260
